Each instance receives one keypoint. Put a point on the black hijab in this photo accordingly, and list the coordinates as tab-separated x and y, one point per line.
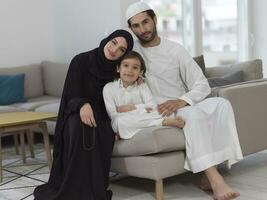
104	68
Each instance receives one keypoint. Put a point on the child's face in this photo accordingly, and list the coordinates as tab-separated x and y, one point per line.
129	70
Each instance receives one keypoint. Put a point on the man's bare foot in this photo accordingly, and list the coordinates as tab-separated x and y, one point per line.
222	191
176	122
204	183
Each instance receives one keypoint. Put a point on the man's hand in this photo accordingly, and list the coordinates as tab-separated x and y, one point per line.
87	115
125	108
170	106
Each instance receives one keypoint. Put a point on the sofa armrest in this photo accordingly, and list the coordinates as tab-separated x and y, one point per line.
249	101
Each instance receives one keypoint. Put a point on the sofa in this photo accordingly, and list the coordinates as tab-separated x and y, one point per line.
156	153
159	153
43	85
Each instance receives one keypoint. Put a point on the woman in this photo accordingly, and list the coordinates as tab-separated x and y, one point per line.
83	137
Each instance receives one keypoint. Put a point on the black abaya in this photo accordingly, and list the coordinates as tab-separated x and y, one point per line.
81	157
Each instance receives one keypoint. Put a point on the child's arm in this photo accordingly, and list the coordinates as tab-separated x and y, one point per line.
125	108
109	101
149	102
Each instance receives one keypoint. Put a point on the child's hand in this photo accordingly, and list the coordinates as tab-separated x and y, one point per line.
125	108
148	110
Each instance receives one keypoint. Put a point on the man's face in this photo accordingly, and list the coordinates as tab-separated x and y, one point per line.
144	27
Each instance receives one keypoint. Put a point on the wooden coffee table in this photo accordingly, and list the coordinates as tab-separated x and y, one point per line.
15	122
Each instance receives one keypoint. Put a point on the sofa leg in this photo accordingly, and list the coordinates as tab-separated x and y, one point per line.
159	189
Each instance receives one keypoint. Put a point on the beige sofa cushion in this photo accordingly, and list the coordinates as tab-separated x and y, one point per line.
54	75
252	70
51	107
34	103
33	85
150	141
5	109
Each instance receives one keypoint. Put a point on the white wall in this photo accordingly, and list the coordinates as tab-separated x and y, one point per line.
259	29
36	30
81	24
26	35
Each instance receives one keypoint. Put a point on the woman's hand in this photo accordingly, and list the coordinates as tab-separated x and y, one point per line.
125	108
87	115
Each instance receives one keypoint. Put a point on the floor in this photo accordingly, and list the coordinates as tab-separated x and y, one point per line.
249	177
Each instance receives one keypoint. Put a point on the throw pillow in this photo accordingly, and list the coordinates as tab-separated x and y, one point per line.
232	78
200	61
11	89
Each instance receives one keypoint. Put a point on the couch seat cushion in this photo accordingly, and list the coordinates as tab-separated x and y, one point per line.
34	103
5	109
150	141
51	107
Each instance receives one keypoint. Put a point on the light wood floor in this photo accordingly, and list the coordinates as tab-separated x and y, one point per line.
249	177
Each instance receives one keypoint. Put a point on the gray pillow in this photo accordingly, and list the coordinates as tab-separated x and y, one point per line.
201	63
228	79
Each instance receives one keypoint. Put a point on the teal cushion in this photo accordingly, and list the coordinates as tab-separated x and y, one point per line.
11	89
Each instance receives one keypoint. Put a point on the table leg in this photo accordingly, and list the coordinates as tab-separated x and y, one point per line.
30	141
1	173
22	143
16	142
46	143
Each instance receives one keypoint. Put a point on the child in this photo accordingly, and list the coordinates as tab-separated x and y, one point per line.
130	105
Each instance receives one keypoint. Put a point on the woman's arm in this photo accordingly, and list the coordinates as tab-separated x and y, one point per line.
76	101
73	89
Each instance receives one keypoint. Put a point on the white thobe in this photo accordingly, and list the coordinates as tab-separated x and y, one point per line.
127	124
210	129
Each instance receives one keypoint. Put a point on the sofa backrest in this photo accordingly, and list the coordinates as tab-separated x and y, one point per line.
33	85
54	75
252	70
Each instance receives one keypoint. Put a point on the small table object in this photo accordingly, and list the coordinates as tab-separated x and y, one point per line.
22	121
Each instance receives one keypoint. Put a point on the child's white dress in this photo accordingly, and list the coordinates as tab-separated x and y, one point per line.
127	124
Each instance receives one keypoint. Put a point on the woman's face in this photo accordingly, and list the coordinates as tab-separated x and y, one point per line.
115	48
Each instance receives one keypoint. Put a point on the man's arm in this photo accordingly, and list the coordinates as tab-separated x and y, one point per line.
197	84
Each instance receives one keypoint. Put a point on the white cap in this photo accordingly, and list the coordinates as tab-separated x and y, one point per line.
136	8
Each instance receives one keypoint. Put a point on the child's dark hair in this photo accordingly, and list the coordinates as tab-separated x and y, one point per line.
132	54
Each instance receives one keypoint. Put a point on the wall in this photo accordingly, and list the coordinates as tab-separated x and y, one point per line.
26	35
259	29
36	30
80	26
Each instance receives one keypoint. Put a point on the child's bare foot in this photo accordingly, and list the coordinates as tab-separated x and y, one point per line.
176	122
117	136
222	191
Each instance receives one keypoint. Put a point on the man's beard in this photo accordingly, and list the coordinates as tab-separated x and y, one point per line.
153	35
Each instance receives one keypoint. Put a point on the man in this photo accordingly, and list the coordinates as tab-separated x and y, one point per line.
180	88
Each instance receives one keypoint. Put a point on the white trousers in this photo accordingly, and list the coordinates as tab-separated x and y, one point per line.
130	123
211	135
